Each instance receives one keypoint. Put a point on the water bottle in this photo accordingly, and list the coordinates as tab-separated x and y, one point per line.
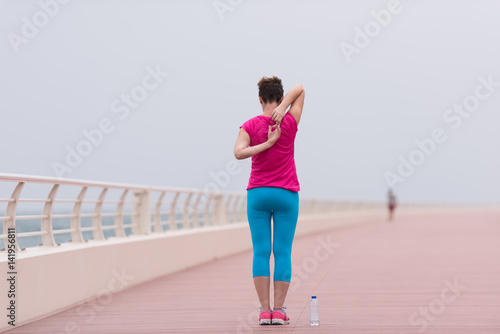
314	311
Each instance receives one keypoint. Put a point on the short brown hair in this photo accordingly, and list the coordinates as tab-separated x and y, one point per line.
270	89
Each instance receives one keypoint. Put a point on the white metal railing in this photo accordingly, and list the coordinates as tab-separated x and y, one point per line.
135	209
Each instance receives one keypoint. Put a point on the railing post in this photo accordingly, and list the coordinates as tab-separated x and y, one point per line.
219	210
206	211
97	232
141	218
10	212
331	206
172	216
320	206
242	211
196	218
48	236
185	211
228	205
76	226
157	219
119	228
235	214
306	204
314	206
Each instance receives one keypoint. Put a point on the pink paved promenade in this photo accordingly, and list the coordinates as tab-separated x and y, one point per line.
432	273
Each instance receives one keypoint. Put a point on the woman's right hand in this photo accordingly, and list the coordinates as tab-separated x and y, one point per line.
279	114
273	136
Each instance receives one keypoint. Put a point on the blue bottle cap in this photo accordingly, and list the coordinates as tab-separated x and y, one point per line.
313	297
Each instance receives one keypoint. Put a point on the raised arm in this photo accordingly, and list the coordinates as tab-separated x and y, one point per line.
242	148
293	99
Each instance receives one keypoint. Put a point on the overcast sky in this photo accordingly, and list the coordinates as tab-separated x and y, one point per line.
402	92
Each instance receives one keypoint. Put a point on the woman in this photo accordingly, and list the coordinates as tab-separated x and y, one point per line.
391	203
272	190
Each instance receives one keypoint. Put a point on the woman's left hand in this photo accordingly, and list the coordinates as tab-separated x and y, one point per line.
273	136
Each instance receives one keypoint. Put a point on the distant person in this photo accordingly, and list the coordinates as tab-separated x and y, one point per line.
391	203
272	190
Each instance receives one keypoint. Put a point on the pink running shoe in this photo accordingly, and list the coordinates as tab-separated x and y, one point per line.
265	317
279	317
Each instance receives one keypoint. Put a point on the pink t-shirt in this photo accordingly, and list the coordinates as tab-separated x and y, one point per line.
274	167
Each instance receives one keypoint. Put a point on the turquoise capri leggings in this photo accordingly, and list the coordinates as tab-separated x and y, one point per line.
282	205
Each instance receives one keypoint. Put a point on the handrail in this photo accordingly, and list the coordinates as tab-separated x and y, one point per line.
78	182
139	210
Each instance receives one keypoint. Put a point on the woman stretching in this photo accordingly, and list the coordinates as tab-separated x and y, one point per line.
272	190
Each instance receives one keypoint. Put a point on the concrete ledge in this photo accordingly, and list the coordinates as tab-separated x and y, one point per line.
52	279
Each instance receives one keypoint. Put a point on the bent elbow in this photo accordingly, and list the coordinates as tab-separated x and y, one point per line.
237	155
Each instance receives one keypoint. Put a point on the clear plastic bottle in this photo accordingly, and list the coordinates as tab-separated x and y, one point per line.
314	311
